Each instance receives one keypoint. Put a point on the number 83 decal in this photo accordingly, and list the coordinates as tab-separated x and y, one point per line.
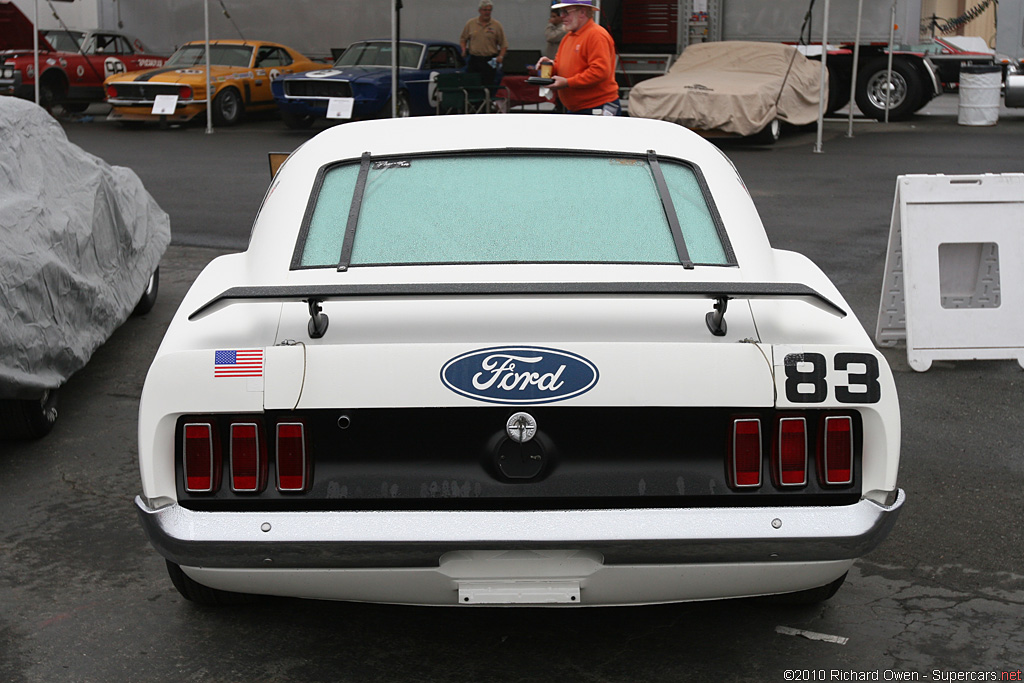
806	378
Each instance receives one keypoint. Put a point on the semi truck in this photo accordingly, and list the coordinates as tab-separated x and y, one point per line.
914	79
921	68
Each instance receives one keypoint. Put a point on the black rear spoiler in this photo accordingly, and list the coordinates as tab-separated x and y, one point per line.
720	292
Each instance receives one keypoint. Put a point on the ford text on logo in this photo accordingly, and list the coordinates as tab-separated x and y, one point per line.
519	374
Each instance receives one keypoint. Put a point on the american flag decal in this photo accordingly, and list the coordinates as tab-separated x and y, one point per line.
238	363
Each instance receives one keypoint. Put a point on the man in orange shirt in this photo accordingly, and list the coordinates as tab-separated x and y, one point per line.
584	67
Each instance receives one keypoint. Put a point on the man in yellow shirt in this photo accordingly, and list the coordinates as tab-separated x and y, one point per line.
483	43
584	67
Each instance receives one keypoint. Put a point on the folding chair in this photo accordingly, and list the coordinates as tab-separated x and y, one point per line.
462	92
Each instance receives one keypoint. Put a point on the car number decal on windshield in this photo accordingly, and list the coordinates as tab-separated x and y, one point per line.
807	378
519	374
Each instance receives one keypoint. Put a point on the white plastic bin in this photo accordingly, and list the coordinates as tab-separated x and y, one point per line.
979	94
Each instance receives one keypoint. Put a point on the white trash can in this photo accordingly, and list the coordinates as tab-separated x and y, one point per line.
979	94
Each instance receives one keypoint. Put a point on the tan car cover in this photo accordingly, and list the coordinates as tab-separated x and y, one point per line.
732	87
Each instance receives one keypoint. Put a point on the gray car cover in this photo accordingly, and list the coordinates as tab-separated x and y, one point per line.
732	87
79	240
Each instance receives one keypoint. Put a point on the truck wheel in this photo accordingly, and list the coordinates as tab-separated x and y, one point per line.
148	298
28	419
903	92
203	595
227	107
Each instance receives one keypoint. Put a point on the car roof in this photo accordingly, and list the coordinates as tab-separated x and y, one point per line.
234	41
418	41
533	131
632	138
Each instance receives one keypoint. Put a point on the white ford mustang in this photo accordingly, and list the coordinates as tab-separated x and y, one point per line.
514	360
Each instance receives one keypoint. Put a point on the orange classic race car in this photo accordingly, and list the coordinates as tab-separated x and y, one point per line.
240	75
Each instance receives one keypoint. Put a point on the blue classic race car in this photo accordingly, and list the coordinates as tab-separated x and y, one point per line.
358	85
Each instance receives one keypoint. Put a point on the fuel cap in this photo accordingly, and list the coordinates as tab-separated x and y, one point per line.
521	427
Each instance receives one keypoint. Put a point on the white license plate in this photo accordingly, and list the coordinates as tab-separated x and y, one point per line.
518	592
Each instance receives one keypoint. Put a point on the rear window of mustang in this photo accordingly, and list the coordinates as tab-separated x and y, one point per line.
509	208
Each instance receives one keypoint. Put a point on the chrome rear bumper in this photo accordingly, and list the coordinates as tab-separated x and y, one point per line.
374	539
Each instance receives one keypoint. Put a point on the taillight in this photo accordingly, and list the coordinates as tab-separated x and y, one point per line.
184	92
111	91
836	465
291	457
789	452
202	458
745	458
248	458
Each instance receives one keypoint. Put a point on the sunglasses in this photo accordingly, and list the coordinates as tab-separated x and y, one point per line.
566	11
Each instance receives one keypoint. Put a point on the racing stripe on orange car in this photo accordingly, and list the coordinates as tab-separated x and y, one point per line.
155	72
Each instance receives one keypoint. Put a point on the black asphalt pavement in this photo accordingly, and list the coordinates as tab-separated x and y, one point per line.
84	598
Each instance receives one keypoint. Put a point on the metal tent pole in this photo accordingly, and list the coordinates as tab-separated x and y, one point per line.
822	91
209	102
394	58
35	47
853	71
888	73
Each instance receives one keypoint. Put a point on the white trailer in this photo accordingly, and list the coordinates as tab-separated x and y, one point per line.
1010	47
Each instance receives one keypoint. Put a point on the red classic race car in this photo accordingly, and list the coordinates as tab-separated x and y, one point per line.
72	64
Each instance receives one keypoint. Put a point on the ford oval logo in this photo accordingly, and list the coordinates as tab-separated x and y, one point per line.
519	374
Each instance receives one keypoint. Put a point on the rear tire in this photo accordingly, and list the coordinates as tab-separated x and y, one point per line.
204	595
838	91
768	135
811	596
28	419
148	298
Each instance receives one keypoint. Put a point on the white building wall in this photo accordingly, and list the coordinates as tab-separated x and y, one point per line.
310	26
76	14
